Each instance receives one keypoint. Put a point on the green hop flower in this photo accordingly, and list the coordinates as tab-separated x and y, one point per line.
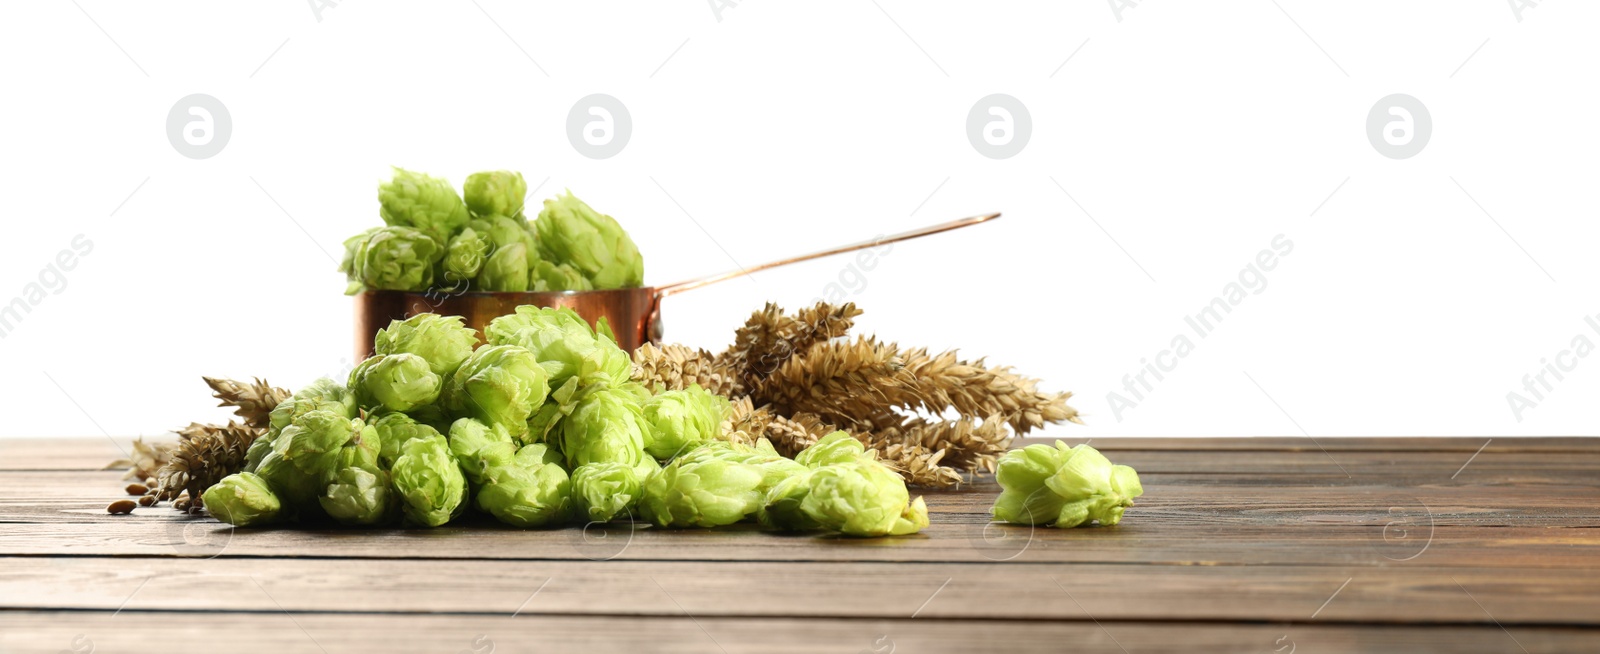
397	259
537	454
433	415
499	385
359	496
1063	486
243	500
505	232
564	344
1094	488
774	467
604	491
258	450
478	447
780	508
397	382
313	441
572	233
606	426
703	491
444	341
394	430
428	482
837	447
296	490
422	201
323	394
547	276
350	264
527	496
496	193
683	419
862	498
506	269
1024	498
464	255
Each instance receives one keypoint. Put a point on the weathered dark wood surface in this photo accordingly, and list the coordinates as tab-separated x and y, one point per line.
1239	545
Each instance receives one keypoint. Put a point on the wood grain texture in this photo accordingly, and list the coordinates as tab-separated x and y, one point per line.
788	589
1239	545
326	633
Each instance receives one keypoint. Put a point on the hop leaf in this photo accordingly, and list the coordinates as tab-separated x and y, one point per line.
397	382
572	233
496	193
1063	487
422	201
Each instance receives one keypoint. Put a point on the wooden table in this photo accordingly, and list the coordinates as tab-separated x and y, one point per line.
1239	545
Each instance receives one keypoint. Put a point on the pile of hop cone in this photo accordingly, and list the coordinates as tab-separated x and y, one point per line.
795	378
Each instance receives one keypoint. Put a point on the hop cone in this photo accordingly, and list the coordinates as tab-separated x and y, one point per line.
572	233
424	202
497	193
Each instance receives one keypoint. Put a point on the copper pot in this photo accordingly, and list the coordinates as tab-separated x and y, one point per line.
634	314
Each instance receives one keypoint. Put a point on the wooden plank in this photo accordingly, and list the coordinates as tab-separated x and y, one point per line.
67	496
94	452
1135	541
789	589
283	633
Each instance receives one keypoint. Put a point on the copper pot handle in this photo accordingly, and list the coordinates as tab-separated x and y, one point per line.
679	287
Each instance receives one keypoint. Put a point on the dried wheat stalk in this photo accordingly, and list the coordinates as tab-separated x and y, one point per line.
792	381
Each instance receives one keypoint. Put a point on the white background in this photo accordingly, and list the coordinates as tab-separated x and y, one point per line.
1192	132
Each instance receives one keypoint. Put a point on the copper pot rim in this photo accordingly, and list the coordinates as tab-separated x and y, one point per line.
430	294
